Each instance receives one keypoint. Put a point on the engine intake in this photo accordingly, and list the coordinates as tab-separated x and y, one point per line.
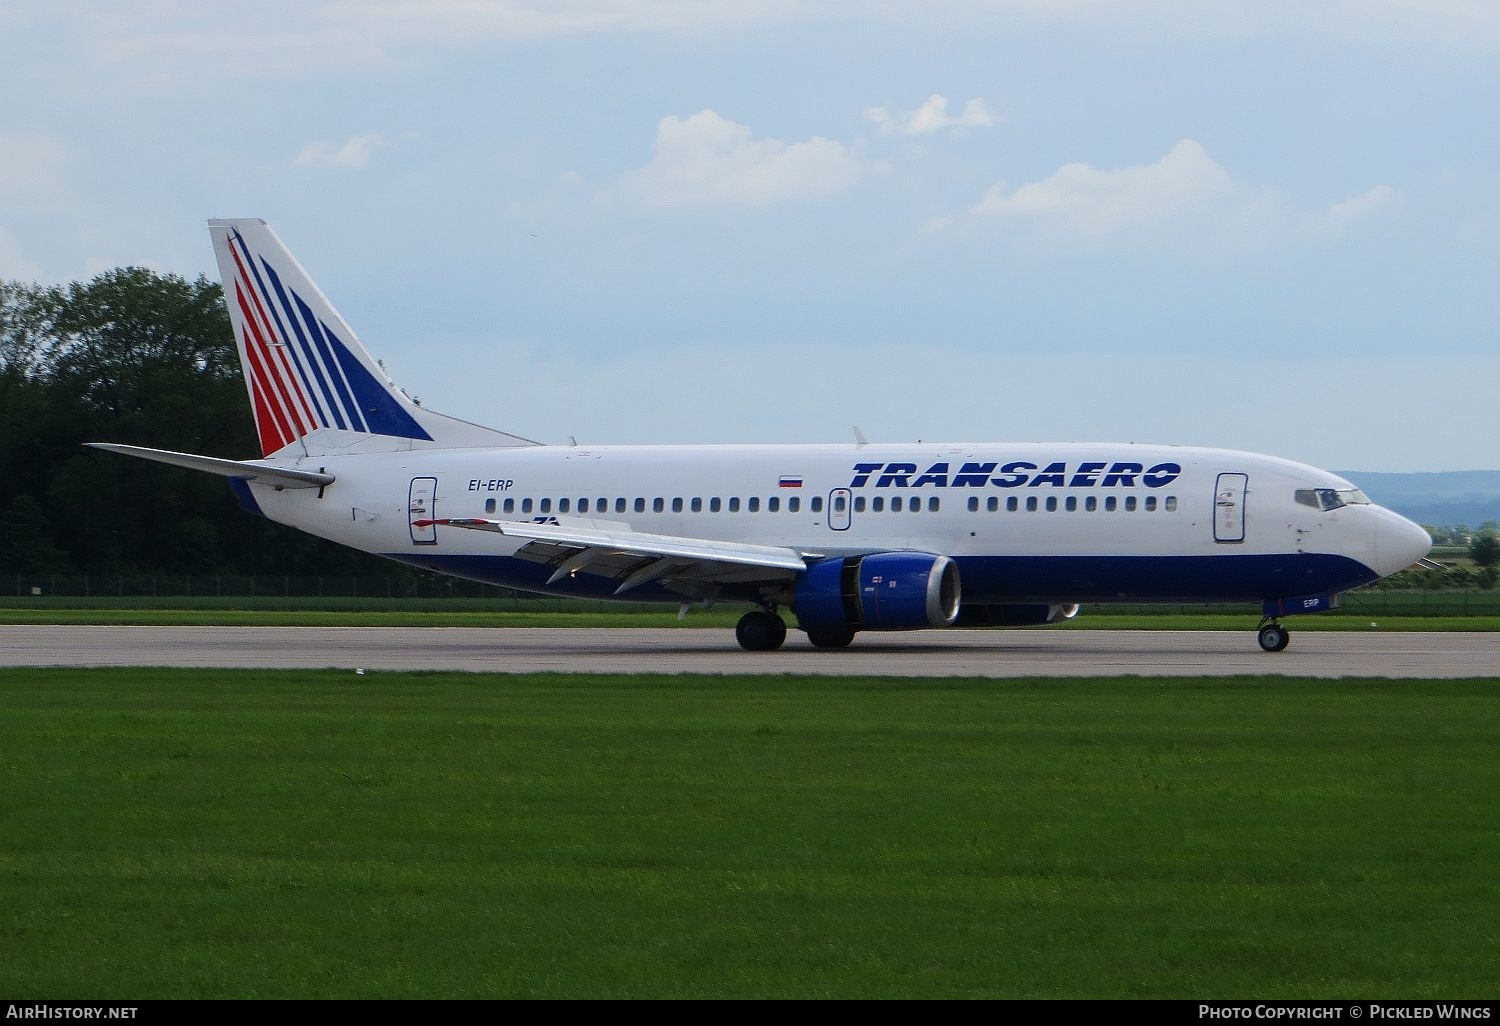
882	591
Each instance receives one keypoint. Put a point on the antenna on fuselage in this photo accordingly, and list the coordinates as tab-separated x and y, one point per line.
859	437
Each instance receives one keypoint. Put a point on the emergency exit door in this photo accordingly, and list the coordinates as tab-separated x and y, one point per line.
1229	508
839	506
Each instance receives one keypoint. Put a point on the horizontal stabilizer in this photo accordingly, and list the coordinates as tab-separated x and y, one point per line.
280	477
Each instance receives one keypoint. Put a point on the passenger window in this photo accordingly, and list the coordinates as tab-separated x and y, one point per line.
993	504
753	505
640	505
973	504
714	504
817	504
562	506
525	505
773	505
1171	504
676	505
1031	503
697	506
1071	504
1109	504
658	505
734	504
1130	504
489	505
793	504
1012	504
545	506
877	504
619	505
895	503
1150	504
1051	504
1091	504
510	505
859	504
932	504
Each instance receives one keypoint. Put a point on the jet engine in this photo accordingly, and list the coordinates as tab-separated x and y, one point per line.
882	591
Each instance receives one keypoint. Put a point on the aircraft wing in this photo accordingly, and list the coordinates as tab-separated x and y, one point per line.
694	566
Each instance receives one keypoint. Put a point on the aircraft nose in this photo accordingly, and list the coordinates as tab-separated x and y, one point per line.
1399	543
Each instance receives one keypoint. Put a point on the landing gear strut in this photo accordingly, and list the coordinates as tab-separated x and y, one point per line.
1274	637
760	631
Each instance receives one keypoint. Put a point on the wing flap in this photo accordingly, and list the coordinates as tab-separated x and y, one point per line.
697	567
631	543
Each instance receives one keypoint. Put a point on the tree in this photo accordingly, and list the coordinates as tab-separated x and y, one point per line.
148	359
1485	550
26	545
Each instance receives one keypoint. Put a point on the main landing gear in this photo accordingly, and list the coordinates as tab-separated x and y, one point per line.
760	631
1273	637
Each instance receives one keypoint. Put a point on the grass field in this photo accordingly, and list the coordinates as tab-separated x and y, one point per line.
322	834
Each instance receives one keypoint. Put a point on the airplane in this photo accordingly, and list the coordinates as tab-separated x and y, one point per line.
847	538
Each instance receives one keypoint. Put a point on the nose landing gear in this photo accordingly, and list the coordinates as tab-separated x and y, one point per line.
1273	637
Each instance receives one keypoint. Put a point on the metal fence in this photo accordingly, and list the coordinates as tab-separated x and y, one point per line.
397	591
174	586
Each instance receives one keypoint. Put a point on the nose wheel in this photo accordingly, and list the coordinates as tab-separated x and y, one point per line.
1274	637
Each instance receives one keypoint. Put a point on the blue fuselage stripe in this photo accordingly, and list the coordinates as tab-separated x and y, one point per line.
997	579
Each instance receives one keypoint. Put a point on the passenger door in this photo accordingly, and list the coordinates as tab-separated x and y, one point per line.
1229	508
421	504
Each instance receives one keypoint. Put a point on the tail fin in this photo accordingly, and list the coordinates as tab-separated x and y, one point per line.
310	381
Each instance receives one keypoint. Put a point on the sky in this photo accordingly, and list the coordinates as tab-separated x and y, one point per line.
1270	225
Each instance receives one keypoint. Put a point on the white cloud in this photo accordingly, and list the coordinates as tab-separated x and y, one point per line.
708	159
932	117
1340	216
1185	201
352	155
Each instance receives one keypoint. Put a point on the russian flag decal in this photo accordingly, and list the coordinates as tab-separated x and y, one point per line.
791	482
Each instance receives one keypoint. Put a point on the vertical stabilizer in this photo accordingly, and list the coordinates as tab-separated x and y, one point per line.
310	380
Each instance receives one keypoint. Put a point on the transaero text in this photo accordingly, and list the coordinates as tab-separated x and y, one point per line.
1017	474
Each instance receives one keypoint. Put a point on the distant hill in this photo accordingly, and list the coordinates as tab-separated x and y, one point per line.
1468	497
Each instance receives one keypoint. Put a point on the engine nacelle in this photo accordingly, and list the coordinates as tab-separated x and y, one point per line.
883	591
1029	614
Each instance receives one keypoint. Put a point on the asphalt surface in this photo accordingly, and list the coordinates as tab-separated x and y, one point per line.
1021	653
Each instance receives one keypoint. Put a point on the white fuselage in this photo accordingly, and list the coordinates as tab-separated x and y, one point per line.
1026	522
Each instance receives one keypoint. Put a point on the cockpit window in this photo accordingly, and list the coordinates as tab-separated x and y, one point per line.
1331	498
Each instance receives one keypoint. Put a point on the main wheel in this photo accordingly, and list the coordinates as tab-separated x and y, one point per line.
830	639
760	631
1274	637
